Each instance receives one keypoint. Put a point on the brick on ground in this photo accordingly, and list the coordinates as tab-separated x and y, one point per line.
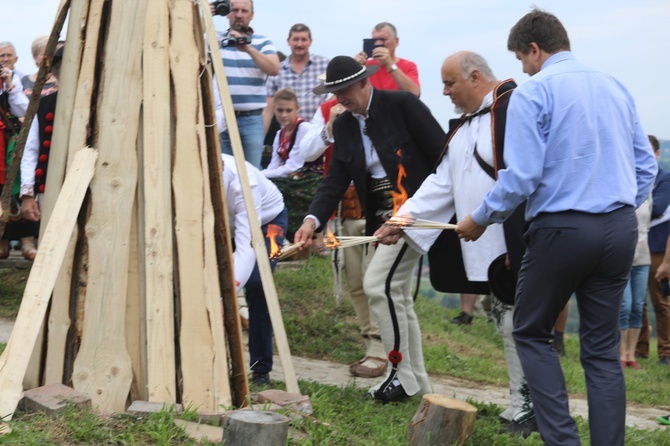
140	408
52	399
291	401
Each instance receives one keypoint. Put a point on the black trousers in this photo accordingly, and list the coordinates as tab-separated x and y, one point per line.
590	255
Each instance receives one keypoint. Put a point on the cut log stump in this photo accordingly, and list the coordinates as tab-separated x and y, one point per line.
247	427
441	421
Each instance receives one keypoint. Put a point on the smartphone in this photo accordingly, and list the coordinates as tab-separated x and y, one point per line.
369	45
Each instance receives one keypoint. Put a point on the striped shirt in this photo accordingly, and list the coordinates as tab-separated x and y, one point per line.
245	80
301	83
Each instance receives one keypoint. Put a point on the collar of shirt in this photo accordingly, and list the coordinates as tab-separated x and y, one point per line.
558	57
372	161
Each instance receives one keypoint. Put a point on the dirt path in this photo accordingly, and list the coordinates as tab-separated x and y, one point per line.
326	372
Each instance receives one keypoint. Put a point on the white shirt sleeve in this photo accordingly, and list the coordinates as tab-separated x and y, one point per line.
313	145
433	201
18	101
29	160
220	117
244	258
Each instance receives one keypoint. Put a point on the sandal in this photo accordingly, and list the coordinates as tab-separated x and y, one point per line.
362	371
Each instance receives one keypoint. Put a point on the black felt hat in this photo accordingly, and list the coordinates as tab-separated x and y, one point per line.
502	280
343	71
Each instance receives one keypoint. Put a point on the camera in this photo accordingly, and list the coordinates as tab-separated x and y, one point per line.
235	41
221	7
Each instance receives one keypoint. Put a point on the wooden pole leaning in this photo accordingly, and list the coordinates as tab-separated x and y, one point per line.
15	358
257	239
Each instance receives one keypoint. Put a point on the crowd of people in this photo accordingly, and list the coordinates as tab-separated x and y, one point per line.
553	185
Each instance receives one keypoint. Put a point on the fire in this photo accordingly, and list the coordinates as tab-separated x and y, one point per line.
401	196
330	241
273	232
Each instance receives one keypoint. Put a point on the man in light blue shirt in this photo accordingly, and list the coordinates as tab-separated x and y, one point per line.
575	148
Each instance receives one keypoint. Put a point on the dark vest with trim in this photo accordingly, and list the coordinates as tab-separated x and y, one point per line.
45	120
447	271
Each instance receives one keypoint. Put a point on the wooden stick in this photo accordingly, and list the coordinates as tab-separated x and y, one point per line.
15	358
257	239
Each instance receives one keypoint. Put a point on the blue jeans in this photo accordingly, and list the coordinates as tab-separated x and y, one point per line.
252	135
260	325
630	315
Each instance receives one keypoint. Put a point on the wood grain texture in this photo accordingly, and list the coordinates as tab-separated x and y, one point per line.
102	369
156	197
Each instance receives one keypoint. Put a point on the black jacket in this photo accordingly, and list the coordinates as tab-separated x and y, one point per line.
402	130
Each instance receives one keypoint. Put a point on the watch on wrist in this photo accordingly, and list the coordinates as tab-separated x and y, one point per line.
324	136
393	68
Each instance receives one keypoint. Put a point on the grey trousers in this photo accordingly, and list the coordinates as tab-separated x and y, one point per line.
590	255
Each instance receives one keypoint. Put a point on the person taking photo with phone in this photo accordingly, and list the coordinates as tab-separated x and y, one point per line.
395	73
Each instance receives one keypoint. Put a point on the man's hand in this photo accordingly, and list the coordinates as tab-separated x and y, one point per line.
6	75
335	111
305	233
383	56
663	271
389	234
361	58
30	209
468	230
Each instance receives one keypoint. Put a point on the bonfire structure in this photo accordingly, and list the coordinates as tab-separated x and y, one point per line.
131	296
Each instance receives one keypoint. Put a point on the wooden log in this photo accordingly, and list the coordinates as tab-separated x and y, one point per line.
257	239
247	427
156	193
102	368
441	420
223	244
15	358
201	336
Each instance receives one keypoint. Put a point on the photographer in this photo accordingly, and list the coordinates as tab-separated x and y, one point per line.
240	46
396	73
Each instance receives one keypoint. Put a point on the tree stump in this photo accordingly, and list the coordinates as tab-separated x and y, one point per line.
441	421
251	427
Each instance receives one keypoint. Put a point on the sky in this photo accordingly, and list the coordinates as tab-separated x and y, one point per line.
628	39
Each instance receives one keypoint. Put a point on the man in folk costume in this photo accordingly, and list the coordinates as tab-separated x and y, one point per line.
386	142
467	170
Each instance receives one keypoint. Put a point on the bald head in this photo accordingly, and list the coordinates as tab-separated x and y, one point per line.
467	79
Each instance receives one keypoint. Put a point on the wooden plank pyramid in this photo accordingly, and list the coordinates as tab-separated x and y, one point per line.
124	300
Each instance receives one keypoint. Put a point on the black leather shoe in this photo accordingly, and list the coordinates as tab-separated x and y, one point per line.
462	319
523	427
261	379
392	393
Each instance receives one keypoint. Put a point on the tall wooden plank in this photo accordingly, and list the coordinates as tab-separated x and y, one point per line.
224	252
76	81
102	369
257	239
15	357
135	307
197	345
157	193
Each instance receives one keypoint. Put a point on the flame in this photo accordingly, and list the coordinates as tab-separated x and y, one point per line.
330	241
401	196
273	232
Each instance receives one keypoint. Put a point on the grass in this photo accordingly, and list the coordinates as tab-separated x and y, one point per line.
319	327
